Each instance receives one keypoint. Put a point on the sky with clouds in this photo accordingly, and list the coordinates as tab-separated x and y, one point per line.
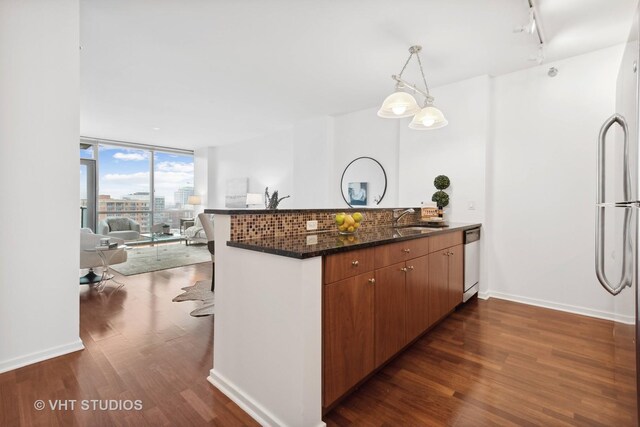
124	171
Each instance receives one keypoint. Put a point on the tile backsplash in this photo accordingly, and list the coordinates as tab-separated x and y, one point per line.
260	225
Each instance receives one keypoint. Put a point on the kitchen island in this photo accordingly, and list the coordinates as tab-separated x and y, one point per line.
271	282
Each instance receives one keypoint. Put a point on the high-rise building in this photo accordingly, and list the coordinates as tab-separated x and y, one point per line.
158	203
134	206
181	196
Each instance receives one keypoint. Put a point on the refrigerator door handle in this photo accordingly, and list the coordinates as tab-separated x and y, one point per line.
625	276
626	185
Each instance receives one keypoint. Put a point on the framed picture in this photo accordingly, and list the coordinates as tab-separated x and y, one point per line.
358	193
236	195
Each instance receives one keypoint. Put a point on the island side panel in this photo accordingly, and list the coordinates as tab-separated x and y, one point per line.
268	340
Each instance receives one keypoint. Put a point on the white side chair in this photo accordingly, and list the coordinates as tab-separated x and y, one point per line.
207	223
91	259
195	233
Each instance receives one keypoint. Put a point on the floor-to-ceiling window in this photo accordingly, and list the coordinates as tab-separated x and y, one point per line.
173	179
87	187
150	185
124	183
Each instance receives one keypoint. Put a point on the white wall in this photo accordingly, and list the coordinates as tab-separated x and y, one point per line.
412	159
313	163
363	133
305	161
39	175
267	161
457	150
541	183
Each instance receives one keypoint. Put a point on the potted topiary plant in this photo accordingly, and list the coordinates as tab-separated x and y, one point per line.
441	198
441	182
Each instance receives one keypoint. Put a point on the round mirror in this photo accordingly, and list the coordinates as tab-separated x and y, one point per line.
364	182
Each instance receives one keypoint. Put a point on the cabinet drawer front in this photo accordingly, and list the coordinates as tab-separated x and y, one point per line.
348	264
401	251
417	247
445	241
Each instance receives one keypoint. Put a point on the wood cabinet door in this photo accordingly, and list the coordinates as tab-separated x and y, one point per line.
348	334
438	285
390	311
456	275
417	286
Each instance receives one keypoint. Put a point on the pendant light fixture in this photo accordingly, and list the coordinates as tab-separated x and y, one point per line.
402	104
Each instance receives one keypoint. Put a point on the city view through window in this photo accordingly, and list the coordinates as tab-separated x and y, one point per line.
126	182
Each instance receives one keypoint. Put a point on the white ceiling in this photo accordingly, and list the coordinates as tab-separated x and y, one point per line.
216	72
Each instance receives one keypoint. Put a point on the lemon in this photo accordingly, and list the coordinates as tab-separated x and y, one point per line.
357	217
340	219
351	229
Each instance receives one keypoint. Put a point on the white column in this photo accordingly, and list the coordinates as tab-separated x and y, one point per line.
39	180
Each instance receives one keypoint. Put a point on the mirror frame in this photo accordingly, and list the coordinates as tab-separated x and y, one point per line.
345	171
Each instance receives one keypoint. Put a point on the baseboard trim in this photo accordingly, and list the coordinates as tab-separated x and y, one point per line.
630	320
39	356
250	406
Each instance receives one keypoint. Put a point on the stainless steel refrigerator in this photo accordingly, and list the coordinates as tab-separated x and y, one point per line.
617	214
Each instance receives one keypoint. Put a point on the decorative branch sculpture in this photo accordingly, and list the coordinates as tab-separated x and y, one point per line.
272	202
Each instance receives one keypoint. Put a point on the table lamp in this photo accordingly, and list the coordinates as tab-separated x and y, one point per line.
193	200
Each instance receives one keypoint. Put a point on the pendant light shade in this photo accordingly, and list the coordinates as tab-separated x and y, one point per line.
401	104
428	118
397	105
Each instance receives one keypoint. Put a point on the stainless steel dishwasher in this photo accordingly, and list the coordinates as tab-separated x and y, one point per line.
471	263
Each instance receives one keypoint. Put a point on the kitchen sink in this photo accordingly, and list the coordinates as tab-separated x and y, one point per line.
412	229
418	227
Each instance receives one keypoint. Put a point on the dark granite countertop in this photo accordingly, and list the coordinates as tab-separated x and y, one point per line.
303	246
285	211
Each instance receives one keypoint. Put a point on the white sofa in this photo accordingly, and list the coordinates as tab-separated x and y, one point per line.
119	227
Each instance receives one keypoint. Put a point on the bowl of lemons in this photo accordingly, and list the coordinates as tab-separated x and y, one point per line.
348	223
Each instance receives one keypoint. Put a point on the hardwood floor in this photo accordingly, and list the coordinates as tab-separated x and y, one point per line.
491	363
498	363
139	345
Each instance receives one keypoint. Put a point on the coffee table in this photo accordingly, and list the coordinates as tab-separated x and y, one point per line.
157	238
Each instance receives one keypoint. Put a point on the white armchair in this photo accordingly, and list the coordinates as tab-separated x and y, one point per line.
196	233
119	227
91	260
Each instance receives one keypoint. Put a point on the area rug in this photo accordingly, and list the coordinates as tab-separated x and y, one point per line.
142	259
201	291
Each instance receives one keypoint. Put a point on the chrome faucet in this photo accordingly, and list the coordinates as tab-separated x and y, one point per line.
399	213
